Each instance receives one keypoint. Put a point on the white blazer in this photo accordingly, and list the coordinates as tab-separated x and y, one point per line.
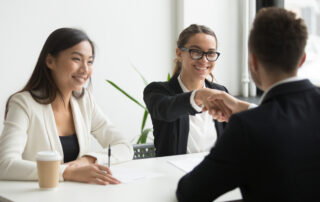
30	127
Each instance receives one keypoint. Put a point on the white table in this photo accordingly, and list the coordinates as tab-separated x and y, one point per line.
157	189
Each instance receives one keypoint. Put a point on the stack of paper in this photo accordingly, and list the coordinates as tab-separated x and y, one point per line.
186	165
126	175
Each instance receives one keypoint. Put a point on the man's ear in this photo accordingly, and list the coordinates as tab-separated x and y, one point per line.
50	61
253	62
178	53
303	59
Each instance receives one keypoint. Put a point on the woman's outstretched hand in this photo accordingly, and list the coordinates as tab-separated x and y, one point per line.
219	104
218	110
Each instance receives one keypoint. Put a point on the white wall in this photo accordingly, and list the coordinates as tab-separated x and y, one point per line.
138	31
141	32
224	18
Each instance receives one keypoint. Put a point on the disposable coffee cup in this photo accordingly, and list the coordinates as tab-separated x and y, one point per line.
48	165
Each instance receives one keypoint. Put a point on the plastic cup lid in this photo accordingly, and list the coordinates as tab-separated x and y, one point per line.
48	156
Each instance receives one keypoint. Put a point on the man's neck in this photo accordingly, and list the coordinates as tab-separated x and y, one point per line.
270	79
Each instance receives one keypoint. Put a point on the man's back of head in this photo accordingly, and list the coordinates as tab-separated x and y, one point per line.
272	151
278	39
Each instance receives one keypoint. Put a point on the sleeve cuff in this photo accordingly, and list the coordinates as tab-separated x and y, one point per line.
251	106
193	103
62	168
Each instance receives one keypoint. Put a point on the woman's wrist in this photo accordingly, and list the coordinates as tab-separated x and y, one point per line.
242	106
67	173
89	159
198	97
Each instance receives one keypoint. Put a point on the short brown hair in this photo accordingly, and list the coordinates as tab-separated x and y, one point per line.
184	37
278	39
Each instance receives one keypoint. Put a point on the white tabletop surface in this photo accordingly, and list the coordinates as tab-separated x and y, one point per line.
156	189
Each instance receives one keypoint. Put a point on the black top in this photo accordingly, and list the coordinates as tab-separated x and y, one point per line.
170	108
70	147
271	152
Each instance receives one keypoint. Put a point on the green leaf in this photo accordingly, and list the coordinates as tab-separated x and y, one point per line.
143	137
126	94
144	119
141	76
169	77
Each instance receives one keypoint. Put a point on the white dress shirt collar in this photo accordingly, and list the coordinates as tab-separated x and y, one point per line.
291	79
183	87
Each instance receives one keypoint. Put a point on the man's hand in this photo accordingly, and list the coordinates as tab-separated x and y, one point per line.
234	104
219	104
216	108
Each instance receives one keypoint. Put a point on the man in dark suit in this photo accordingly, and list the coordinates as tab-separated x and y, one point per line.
272	152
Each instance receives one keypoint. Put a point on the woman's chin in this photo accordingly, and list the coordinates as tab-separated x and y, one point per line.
203	73
78	88
201	76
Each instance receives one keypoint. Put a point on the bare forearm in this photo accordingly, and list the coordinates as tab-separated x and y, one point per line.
241	106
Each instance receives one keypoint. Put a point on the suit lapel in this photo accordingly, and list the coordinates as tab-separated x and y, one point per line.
51	127
174	84
79	125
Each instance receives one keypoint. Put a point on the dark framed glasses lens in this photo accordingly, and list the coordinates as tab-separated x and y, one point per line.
212	56
196	54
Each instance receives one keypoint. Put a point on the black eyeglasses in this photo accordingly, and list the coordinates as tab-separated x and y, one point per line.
197	54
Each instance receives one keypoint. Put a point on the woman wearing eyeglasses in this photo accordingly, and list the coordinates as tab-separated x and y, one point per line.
181	125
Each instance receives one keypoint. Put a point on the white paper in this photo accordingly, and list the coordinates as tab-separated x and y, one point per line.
186	165
126	175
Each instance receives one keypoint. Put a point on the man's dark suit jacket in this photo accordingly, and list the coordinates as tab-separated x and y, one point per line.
170	108
271	152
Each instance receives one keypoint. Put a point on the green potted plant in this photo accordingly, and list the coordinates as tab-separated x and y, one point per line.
143	131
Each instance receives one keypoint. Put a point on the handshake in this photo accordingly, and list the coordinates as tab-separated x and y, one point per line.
219	104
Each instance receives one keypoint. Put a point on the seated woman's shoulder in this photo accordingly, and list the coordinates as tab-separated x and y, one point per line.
23	100
24	95
157	85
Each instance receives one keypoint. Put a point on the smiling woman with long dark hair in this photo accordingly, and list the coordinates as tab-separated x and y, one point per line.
54	111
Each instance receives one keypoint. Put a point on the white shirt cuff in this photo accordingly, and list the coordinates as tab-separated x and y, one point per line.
193	103
251	106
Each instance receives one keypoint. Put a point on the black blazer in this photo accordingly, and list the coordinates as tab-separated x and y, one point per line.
271	152
170	108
